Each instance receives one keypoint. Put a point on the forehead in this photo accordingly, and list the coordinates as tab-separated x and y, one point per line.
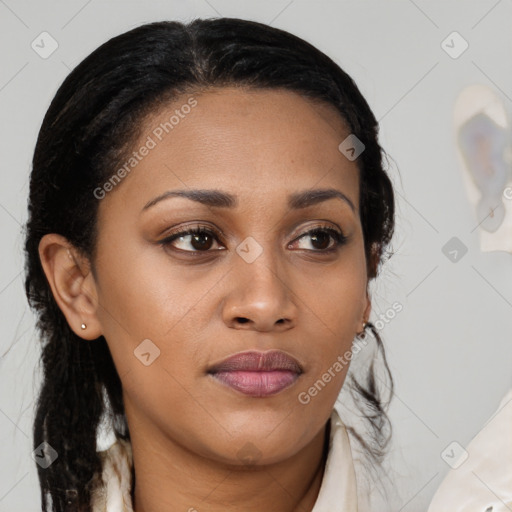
251	141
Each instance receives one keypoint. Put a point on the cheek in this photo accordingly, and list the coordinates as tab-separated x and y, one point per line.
337	297
336	306
154	326
144	296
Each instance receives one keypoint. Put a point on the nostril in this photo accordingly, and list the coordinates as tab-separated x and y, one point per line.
242	320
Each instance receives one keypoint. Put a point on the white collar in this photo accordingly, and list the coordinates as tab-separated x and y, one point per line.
338	490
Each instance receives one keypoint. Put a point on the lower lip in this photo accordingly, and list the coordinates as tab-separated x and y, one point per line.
258	384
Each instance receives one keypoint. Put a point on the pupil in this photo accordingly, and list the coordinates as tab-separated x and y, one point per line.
200	245
319	235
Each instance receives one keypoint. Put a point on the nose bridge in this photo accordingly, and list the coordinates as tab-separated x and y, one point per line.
259	266
260	293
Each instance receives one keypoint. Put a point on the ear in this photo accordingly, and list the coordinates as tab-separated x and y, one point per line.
72	284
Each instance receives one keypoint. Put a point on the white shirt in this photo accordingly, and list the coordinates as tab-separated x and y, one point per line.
338	491
483	482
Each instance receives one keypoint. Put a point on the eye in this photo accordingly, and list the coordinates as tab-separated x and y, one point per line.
320	239
199	238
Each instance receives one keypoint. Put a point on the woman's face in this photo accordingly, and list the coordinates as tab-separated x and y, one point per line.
254	281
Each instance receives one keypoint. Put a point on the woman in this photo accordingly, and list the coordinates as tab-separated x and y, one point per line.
207	207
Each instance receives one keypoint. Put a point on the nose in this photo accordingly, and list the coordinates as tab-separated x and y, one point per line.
260	298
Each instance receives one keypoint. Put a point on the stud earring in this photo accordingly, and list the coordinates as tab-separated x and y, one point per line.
84	326
362	334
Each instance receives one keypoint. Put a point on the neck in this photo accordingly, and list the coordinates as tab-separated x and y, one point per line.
176	480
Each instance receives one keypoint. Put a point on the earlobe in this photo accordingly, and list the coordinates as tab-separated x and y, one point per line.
69	278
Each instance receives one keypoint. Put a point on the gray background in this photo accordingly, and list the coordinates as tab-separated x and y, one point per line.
450	347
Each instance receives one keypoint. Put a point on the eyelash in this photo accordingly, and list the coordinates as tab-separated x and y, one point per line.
338	237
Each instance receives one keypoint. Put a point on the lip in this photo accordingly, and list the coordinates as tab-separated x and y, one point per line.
257	374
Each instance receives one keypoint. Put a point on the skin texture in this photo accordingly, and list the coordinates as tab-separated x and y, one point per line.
188	429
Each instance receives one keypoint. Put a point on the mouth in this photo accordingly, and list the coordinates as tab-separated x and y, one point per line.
257	374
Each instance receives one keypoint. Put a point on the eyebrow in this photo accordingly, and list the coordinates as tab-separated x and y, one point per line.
220	199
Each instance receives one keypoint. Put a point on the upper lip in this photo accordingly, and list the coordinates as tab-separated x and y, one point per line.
253	360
